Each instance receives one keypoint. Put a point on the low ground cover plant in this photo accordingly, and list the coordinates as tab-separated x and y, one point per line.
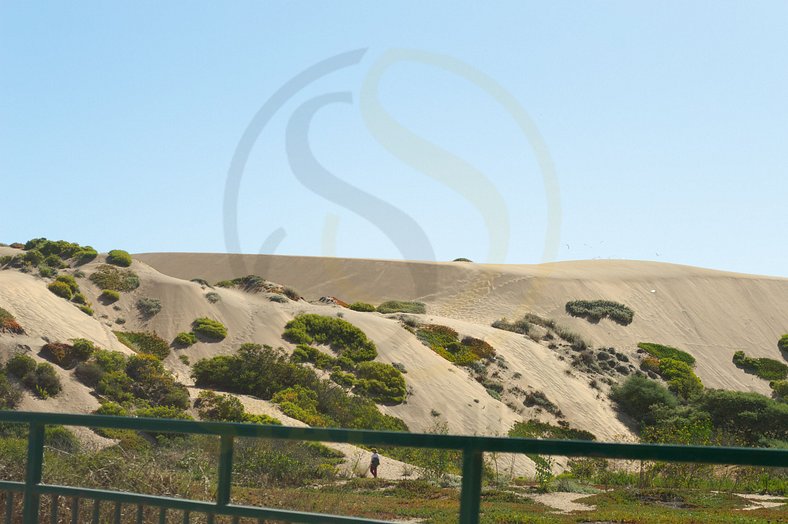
446	342
340	335
40	378
141	342
659	351
109	296
596	310
118	257
115	279
535	429
765	368
402	306
362	306
9	324
209	330
149	307
782	344
185	339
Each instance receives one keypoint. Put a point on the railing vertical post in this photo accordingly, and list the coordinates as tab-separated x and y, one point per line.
35	462
225	470
470	497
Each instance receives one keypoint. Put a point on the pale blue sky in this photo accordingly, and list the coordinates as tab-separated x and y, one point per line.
667	124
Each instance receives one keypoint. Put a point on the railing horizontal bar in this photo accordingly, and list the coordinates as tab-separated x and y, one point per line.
702	454
199	506
7	485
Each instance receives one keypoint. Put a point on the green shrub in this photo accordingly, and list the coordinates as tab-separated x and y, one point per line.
765	368
264	372
68	356
10	395
660	351
201	281
445	341
112	278
87	310
279	299
380	382
225	408
342	336
69	281
61	439
779	389
61	289
149	343
109	296
681	379
54	261
79	298
9	324
46	271
33	257
185	339
748	416
782	344
343	378
362	306
43	381
20	365
149	307
61	248
85	255
462	259
209	330
596	310
213	297
399	306
535	429
518	326
637	395
118	257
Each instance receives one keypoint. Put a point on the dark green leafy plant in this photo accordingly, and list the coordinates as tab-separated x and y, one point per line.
342	336
659	351
596	310
149	343
61	289
209	330
400	306
185	339
362	306
765	368
118	257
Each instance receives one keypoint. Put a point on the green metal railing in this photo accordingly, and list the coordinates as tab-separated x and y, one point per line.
472	449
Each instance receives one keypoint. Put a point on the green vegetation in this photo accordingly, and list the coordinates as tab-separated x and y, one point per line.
185	339
109	296
362	306
87	310
518	326
85	255
41	379
340	335
118	257
227	408
782	344
638	397
765	368
400	306
10	394
212	297
462	259
596	310
149	307
659	351
137	382
265	372
380	382
60	289
209	330
536	429
445	341
146	343
114	279
67	356
682	381
9	324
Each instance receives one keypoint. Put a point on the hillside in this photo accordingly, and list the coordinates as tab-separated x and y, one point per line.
707	313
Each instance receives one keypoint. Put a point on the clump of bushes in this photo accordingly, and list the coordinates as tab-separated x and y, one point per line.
149	307
462	259
85	255
201	281
68	356
340	335
539	399
147	343
185	339
659	351
115	279
118	257
209	330
9	324
213	297
680	377
61	289
380	382
227	408
446	342
41	379
400	306
518	326
264	372
765	368
596	310
638	397
362	306
535	429
109	296
782	344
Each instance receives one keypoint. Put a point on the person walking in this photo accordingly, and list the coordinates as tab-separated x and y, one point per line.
374	463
